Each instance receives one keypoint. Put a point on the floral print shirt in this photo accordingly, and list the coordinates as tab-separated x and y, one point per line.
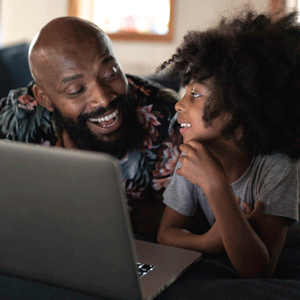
152	165
145	171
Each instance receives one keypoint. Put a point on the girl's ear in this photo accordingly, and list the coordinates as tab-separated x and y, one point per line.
42	98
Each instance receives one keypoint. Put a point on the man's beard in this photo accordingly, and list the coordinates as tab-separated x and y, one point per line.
127	137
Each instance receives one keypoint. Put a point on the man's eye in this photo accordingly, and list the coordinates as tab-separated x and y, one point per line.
111	74
77	92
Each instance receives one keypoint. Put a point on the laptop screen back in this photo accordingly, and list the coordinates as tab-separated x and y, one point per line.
64	220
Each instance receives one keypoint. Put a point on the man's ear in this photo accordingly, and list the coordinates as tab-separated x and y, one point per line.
42	98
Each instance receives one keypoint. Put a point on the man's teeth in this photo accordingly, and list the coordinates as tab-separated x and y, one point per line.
106	118
185	125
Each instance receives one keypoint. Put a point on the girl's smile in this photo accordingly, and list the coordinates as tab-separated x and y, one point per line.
184	127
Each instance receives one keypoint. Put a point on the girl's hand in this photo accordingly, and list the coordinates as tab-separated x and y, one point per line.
199	165
252	213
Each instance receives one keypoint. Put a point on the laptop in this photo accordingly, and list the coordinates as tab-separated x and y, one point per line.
64	220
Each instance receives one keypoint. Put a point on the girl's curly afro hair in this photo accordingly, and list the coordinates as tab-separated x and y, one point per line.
254	61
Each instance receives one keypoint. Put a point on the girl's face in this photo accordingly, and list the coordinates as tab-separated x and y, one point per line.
190	112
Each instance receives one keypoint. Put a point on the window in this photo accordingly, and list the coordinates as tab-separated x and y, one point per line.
285	5
292	4
276	5
139	20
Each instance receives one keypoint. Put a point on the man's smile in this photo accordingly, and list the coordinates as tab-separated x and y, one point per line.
108	123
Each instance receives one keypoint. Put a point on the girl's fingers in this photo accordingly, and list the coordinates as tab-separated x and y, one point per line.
248	207
259	208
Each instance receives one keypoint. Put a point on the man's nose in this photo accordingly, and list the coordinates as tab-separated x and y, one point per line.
101	97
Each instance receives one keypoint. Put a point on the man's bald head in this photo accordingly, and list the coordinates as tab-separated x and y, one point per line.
63	36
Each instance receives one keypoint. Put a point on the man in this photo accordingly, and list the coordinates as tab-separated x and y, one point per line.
80	98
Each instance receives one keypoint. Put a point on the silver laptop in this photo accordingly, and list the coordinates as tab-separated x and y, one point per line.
64	220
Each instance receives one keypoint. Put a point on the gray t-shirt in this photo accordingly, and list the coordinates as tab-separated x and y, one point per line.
272	179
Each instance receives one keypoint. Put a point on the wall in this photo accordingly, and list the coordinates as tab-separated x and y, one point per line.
22	19
189	15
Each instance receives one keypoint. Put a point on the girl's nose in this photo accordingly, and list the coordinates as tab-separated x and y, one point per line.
179	106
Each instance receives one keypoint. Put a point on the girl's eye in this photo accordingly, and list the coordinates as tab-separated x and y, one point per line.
195	95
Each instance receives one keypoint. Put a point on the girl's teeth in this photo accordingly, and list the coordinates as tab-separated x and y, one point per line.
185	125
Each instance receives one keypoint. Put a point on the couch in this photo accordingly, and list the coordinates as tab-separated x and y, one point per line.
14	67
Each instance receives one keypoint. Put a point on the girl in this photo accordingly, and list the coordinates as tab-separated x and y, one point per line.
240	122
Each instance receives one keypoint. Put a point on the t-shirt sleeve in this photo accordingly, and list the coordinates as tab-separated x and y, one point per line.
181	194
278	188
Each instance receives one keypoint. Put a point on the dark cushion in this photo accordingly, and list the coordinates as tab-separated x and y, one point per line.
14	68
171	83
5	80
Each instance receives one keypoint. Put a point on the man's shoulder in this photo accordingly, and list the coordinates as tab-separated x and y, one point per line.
155	107
143	81
23	119
152	89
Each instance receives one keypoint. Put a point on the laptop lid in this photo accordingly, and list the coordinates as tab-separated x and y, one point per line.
65	221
